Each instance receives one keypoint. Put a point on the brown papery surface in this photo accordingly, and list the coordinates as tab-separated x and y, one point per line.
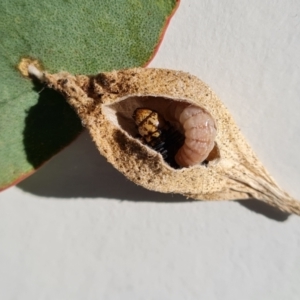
105	103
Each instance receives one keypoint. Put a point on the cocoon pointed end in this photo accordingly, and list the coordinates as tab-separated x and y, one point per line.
106	103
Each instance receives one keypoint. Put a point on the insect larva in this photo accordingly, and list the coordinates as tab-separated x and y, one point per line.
158	134
200	132
197	125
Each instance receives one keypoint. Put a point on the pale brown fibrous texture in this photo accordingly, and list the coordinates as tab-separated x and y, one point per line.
105	103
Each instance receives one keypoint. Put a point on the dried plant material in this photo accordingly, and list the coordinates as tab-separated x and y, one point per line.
106	104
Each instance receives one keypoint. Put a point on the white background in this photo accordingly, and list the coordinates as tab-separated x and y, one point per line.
77	229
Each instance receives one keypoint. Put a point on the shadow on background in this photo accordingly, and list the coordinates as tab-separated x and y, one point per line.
80	172
264	209
50	125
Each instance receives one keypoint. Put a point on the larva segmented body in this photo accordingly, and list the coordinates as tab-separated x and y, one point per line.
197	125
200	132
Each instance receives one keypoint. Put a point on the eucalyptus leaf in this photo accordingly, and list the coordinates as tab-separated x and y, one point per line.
80	37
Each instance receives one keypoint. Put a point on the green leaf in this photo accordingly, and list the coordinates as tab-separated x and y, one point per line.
81	37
